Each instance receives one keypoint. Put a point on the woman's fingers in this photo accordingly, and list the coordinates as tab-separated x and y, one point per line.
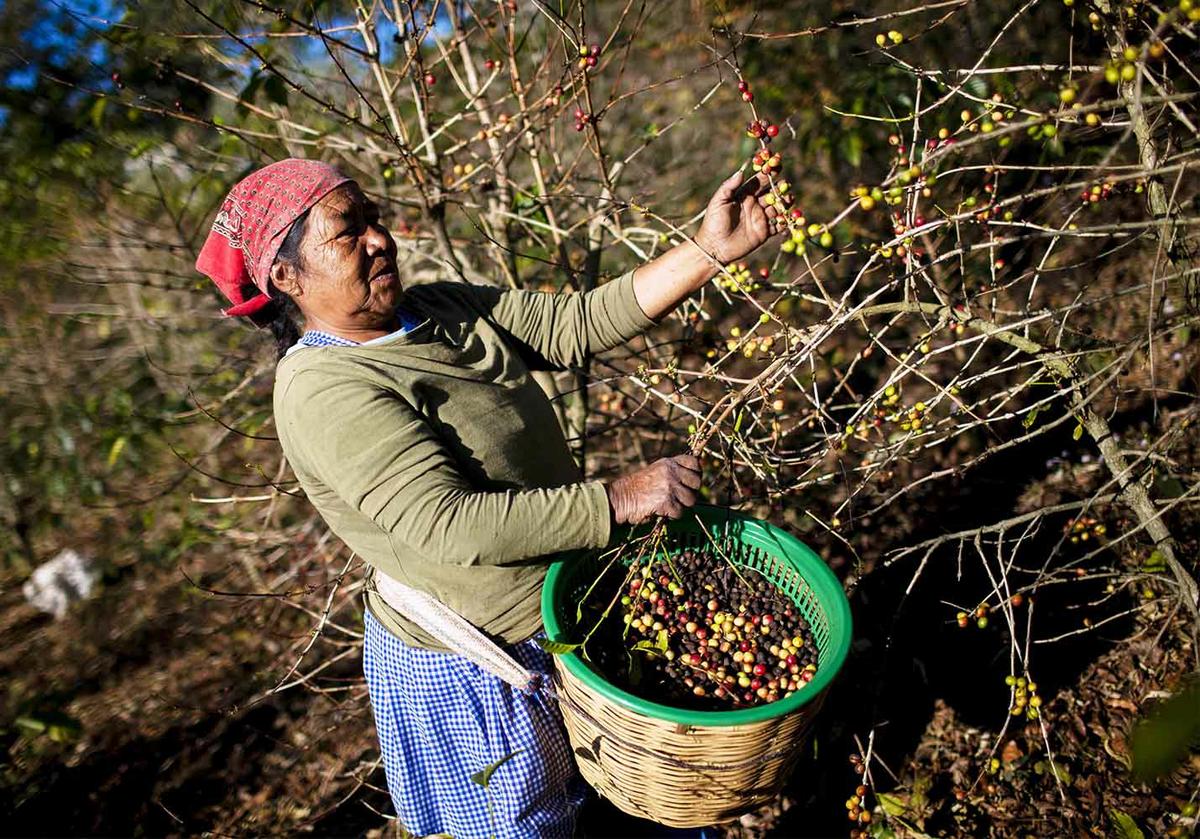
687	461
683	495
755	187
689	477
727	188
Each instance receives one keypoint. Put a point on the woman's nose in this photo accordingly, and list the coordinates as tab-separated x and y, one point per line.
379	240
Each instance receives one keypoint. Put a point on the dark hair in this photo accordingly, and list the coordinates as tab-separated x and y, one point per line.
280	315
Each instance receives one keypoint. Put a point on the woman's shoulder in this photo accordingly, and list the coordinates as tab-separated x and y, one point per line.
307	372
309	359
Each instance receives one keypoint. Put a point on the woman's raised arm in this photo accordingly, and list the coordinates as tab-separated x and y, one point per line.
736	222
564	329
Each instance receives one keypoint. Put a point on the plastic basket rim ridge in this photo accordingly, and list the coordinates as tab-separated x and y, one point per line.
824	584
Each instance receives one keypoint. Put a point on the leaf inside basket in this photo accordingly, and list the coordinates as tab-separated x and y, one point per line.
656	647
557	647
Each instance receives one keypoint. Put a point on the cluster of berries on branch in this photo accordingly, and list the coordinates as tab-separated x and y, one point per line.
589	56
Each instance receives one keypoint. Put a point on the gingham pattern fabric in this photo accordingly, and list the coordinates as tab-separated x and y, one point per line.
317	338
441	719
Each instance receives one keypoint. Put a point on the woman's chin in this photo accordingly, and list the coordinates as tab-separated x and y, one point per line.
385	294
383	307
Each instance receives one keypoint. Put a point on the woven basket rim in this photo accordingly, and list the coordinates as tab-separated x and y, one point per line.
800	556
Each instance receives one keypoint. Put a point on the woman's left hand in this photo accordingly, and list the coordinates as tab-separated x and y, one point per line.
737	221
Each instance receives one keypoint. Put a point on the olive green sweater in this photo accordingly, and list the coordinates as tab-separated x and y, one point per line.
435	456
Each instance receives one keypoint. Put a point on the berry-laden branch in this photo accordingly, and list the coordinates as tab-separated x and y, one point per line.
1131	64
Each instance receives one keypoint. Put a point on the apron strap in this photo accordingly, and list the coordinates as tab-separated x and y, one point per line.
456	632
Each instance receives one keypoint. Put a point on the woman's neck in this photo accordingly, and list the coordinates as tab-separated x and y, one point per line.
351	332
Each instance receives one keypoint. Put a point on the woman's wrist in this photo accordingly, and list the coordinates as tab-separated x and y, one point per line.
706	251
704	259
615	501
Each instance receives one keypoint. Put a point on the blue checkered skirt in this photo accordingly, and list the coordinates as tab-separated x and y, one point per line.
441	718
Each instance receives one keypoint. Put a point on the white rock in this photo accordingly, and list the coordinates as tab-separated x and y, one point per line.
59	582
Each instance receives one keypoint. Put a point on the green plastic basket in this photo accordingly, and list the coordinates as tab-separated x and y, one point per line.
782	558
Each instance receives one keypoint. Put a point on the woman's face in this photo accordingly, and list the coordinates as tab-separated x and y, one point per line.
348	276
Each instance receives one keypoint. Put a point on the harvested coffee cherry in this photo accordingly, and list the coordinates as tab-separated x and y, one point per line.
695	632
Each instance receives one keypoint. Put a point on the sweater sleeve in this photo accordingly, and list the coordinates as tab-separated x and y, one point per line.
384	460
565	328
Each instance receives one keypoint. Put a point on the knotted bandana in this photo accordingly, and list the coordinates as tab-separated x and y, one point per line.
252	223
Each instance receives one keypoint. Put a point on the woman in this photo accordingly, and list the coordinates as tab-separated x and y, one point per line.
411	421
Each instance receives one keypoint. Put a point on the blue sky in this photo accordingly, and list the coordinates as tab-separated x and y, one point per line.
66	23
60	31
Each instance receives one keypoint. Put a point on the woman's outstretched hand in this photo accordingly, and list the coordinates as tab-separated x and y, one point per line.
737	221
666	487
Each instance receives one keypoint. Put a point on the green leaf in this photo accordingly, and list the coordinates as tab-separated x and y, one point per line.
1161	740
892	804
852	148
58	726
1056	769
1077	433
656	647
30	724
484	775
921	786
1125	826
97	112
557	647
1155	562
1031	417
1099	361
142	146
114	453
524	201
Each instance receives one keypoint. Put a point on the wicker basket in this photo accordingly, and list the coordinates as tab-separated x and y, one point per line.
695	768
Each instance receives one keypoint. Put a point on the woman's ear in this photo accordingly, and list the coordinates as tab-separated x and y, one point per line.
286	278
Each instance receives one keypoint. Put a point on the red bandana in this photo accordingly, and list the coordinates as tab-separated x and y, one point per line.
252	223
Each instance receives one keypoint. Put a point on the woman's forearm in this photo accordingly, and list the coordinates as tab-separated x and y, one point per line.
664	282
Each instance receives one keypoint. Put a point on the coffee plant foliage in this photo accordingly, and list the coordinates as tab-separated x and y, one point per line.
990	256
